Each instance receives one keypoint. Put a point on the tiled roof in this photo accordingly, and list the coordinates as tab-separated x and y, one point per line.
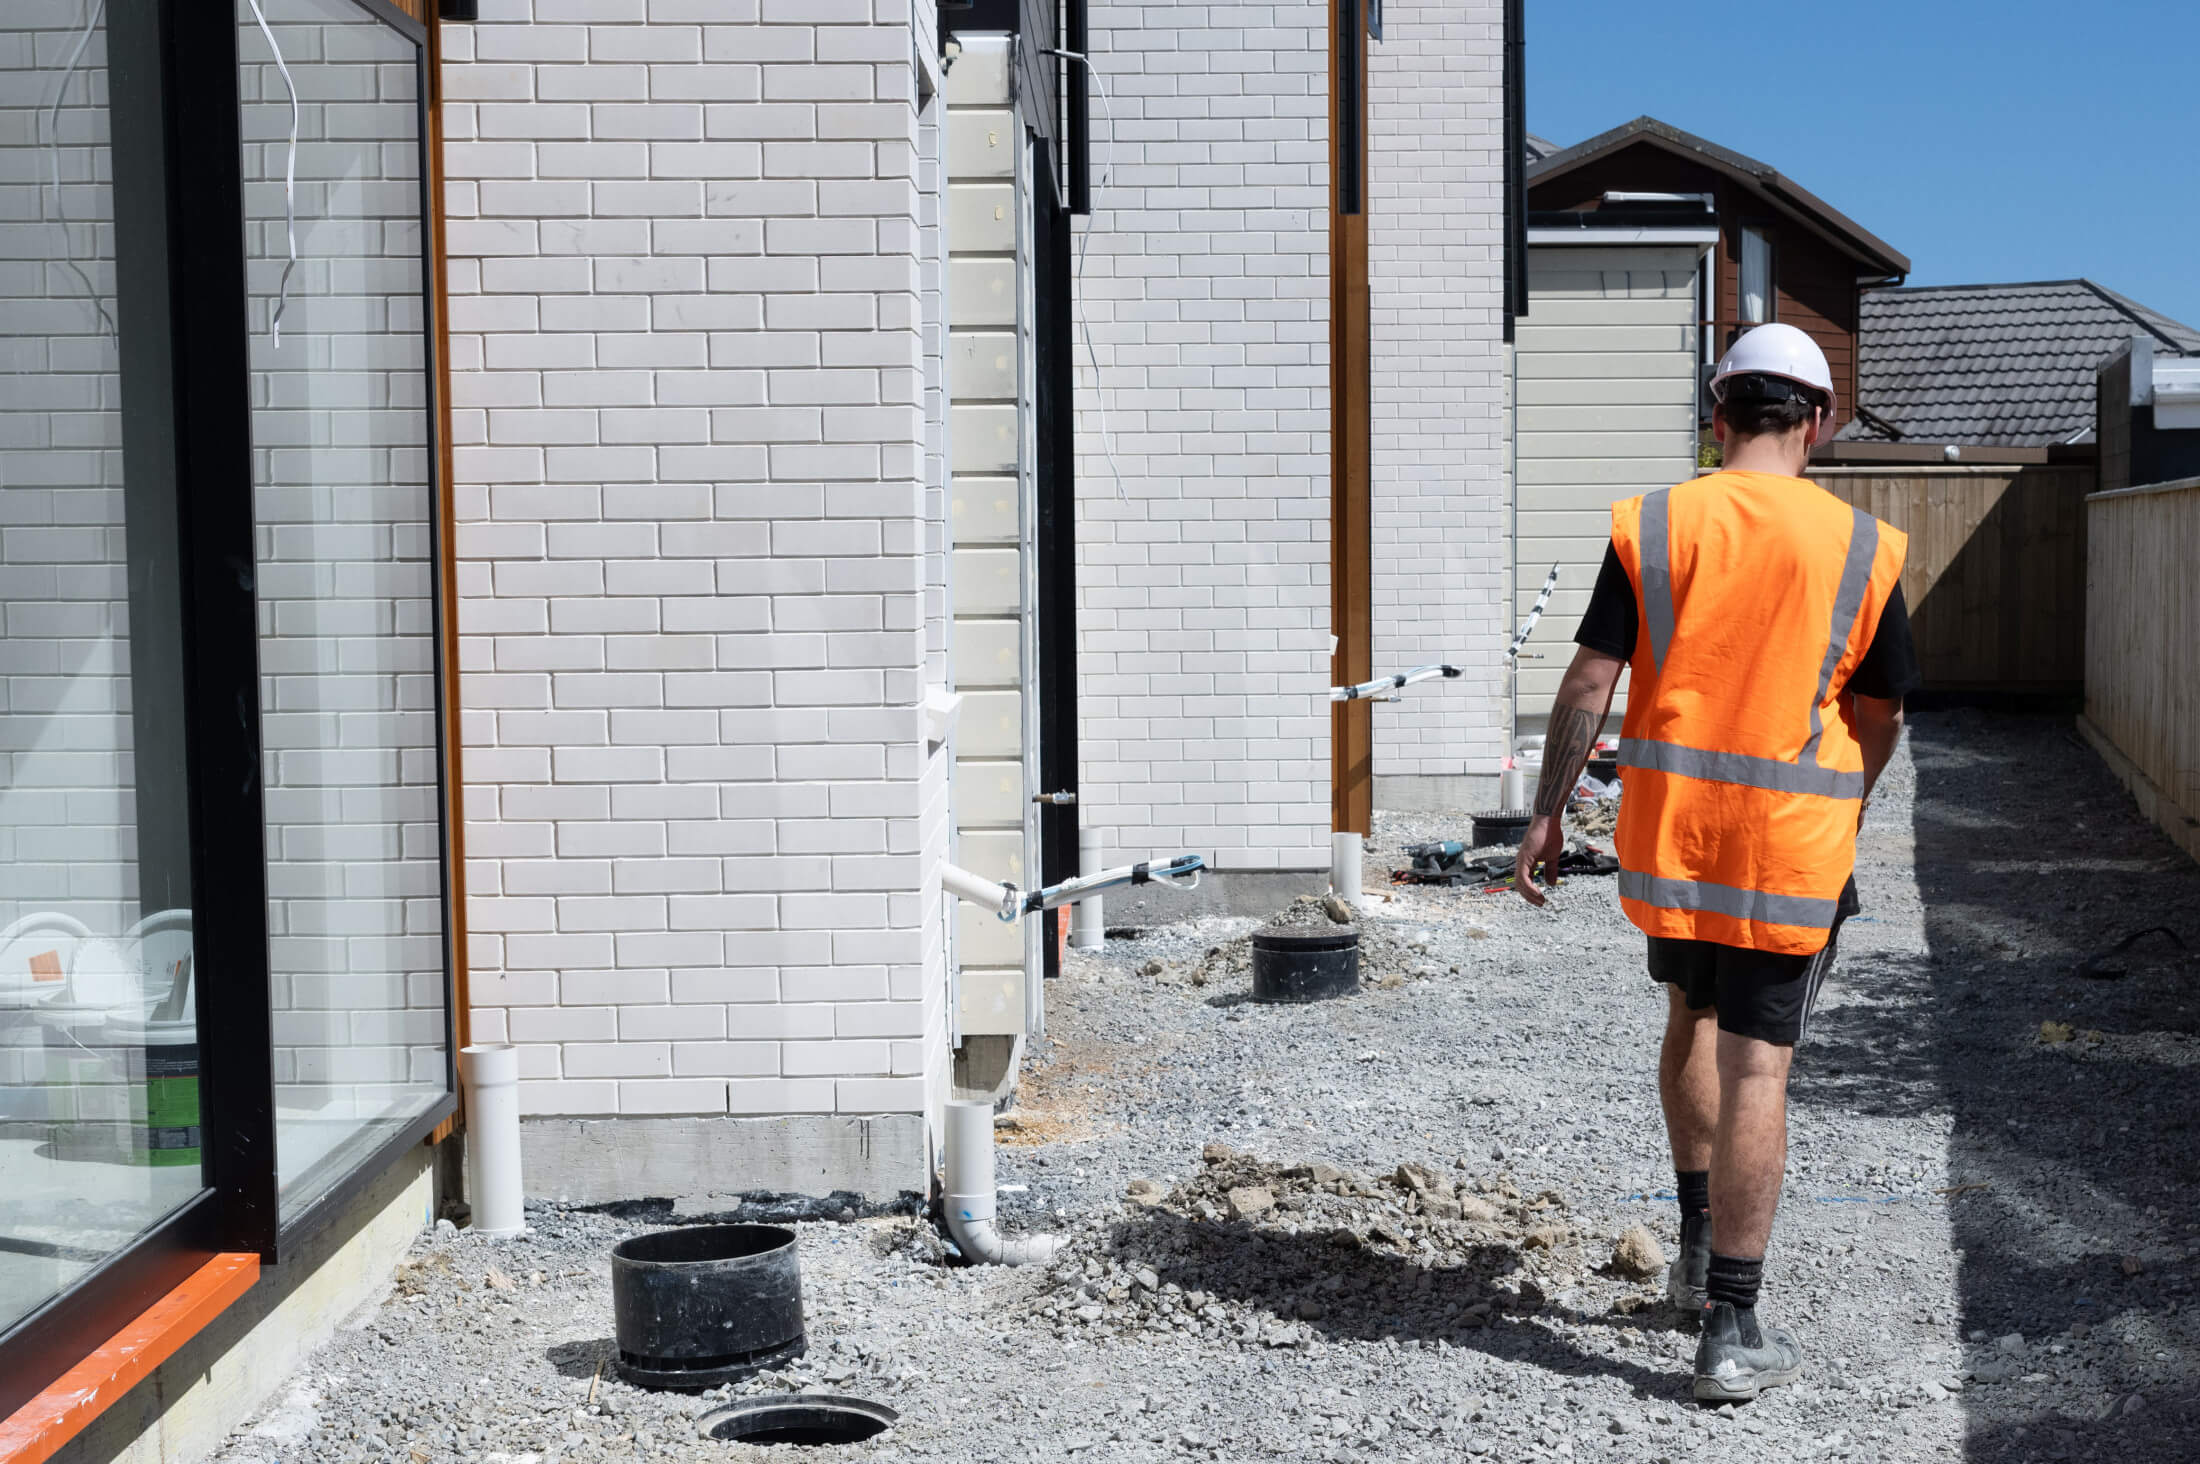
1994	365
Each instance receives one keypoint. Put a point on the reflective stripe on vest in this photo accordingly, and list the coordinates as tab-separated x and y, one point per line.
1761	906
1806	774
1739	768
1657	575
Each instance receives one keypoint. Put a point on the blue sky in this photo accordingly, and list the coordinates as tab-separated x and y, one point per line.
2018	140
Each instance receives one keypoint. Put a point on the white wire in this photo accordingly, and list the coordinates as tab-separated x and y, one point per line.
290	179
93	12
1077	287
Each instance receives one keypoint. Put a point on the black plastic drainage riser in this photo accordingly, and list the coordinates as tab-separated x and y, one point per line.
1305	965
1505	826
706	1305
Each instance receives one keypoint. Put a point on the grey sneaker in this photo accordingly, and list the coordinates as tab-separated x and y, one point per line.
1685	1277
1737	1359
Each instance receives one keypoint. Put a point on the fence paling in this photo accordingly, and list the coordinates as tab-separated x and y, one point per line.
2142	617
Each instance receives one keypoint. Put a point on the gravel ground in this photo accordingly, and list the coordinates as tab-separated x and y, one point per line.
1398	1226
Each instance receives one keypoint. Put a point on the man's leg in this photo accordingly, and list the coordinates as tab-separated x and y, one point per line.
1688	1082
1737	1358
1688	1088
1749	1155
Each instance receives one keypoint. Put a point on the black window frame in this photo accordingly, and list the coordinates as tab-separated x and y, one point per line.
185	142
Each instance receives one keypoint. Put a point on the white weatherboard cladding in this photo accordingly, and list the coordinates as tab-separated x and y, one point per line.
991	513
1607	410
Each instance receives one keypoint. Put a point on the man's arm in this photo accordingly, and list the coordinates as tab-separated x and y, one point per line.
1878	729
1577	716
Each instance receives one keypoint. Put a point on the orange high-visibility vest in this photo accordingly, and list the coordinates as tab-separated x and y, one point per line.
1758	595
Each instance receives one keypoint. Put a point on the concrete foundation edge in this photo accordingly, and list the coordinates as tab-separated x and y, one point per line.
2158	806
187	1408
595	1161
1436	793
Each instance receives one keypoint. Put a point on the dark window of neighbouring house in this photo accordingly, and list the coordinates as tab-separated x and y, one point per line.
1759	304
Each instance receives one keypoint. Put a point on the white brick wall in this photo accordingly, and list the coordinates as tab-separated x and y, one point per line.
1435	266
1204	657
700	584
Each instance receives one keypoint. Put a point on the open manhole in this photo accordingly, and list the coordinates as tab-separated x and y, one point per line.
809	1418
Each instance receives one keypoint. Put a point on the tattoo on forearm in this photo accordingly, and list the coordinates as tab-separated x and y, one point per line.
1566	746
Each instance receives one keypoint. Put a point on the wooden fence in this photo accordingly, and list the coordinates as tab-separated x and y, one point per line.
1995	579
2142	694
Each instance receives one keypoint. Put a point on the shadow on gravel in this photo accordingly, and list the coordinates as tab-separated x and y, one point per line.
583	1359
1360	1295
2031	857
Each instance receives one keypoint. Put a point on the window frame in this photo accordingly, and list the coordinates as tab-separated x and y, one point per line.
190	54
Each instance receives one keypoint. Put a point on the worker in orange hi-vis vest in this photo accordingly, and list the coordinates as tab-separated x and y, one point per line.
1764	623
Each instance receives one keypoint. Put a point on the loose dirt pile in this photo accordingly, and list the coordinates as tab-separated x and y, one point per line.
1262	1254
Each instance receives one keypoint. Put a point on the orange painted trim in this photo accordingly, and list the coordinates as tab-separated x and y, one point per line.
435	1136
36	1431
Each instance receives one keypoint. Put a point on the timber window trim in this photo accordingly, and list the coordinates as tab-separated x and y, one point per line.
181	174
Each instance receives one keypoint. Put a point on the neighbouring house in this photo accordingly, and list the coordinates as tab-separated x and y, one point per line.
1783	253
706	467
2148	410
2009	366
1605	383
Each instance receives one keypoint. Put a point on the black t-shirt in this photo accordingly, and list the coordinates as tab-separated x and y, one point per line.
1888	670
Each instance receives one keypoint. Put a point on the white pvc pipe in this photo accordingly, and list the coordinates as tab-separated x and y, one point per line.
964	885
1088	925
1344	866
970	1201
491	1074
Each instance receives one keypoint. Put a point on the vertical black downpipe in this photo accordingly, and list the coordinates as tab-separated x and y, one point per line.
1516	163
1351	109
1078	132
1056	435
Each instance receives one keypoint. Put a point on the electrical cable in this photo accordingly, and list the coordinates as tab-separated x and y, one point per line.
1077	273
290	179
93	13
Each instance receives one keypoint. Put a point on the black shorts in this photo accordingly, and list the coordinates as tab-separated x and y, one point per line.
1760	994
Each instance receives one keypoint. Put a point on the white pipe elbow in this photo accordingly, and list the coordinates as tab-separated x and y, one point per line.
981	1241
970	1199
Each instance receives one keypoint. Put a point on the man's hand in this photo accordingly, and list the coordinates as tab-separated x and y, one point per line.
1577	715
1544	842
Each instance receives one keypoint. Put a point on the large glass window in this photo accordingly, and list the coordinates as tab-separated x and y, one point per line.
344	506
99	1057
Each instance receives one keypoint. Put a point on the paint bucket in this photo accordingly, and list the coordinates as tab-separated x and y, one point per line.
172	1134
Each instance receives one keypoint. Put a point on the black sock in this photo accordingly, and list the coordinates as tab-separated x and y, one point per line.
1694	1186
1734	1280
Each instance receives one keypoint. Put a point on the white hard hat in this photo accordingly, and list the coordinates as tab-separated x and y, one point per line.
1781	351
